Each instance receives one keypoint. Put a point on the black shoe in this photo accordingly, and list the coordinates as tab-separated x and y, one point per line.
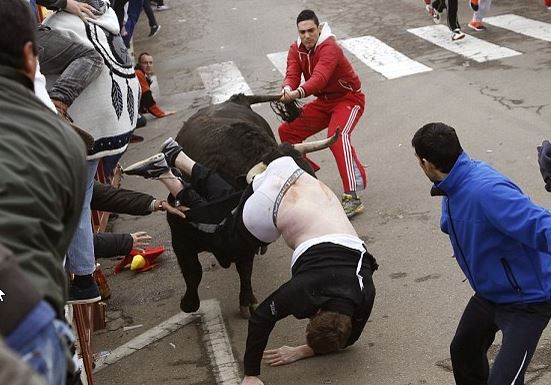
136	138
152	167
171	149
153	31
141	121
79	295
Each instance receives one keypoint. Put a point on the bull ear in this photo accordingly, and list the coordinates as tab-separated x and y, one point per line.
305	148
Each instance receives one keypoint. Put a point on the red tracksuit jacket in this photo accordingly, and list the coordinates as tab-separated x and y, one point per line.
327	72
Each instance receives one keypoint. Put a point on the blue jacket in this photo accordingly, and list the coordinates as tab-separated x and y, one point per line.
501	239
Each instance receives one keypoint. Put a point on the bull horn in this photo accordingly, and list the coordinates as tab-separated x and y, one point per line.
305	148
254	171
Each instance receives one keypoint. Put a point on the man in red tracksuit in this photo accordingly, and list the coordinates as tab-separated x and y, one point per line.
330	77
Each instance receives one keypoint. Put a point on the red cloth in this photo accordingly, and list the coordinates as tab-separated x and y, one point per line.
327	71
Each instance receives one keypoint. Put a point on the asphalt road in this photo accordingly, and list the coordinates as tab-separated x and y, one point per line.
500	109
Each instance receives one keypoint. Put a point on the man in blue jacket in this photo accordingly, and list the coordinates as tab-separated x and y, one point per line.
502	242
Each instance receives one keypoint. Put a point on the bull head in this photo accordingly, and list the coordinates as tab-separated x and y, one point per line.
303	148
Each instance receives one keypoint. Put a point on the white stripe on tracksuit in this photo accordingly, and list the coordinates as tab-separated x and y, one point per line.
347	148
520	369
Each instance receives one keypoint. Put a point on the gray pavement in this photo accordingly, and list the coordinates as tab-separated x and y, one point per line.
500	109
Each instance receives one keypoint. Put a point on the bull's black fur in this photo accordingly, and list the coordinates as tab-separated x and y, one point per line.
230	138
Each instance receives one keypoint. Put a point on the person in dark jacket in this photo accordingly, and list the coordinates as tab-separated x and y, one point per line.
42	163
339	102
502	242
105	197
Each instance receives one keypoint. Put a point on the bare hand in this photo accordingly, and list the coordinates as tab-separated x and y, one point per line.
180	210
289	96
167	113
81	10
286	355
140	240
251	380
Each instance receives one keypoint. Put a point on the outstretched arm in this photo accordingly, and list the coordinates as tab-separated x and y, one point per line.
287	355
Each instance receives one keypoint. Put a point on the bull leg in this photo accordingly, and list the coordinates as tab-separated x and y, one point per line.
191	268
247	300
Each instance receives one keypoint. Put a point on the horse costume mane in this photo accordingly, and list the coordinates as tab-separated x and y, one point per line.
108	108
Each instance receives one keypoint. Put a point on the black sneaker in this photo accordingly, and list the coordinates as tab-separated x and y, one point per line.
170	148
153	31
78	295
152	167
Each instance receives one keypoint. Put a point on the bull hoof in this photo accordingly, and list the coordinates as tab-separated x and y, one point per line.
245	312
190	302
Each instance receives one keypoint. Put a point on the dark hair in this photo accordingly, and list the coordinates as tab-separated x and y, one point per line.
17	28
438	143
307	15
328	331
139	61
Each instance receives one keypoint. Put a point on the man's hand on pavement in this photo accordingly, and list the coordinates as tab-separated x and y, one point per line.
251	380
286	355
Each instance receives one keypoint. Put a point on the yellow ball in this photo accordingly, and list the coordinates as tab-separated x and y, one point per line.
138	262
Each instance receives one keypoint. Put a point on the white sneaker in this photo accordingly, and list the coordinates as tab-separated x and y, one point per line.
161	8
457	34
433	13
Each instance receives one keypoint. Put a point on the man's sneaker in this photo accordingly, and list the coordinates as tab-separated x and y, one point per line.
474	5
457	34
433	13
161	8
154	29
78	295
351	205
477	26
171	149
152	167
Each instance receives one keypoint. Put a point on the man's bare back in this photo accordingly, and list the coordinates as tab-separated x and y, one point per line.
302	203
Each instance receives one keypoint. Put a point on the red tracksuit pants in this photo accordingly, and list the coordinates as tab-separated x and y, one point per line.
341	113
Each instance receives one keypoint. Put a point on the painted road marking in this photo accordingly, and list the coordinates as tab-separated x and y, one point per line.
222	80
383	58
470	47
523	25
152	335
226	367
279	60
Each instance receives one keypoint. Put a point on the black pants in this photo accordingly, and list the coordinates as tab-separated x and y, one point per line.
521	326
440	5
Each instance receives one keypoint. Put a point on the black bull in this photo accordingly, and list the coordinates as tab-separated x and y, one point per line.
230	138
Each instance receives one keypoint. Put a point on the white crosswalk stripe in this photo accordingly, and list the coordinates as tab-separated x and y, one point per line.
523	25
222	80
279	60
383	58
470	47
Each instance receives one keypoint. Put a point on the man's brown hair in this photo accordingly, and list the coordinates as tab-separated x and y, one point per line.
328	331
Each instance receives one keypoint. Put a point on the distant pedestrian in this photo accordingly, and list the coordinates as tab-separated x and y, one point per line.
144	73
502	242
435	10
480	8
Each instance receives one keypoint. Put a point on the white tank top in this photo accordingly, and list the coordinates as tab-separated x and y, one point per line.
260	210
